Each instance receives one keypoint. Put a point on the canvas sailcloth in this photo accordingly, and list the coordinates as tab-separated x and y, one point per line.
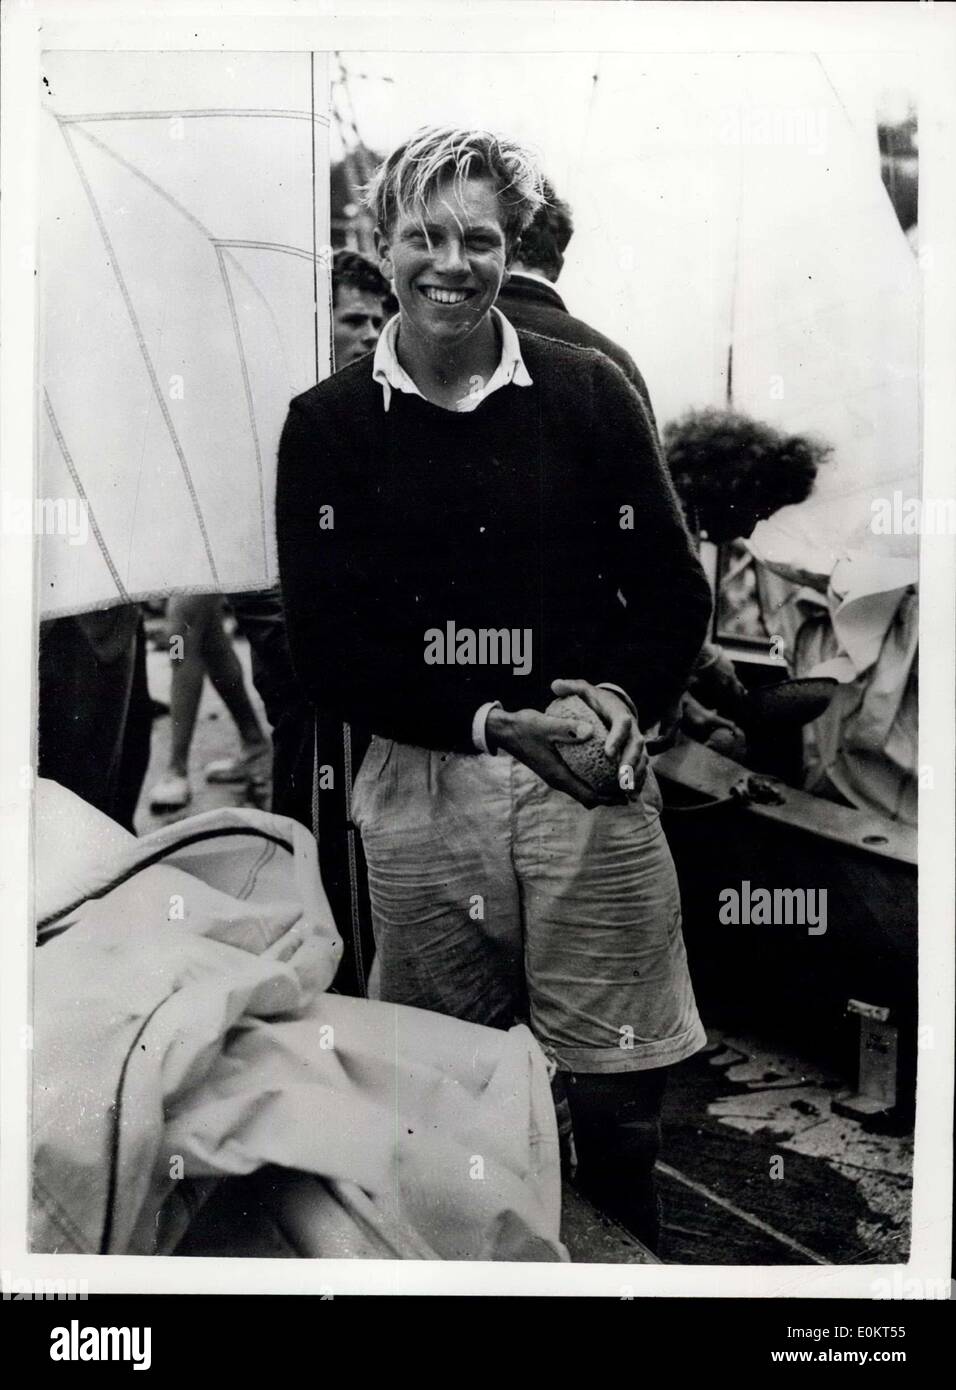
184	299
720	201
744	229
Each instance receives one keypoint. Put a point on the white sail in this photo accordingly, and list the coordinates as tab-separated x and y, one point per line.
181	307
745	208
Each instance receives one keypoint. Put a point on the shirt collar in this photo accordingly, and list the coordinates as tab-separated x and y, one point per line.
392	376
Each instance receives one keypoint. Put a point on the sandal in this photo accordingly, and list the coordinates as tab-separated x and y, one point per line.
171	794
253	766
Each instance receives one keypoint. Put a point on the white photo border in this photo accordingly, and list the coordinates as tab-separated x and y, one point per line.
30	26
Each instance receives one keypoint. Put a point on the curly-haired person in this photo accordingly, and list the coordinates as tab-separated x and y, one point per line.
730	472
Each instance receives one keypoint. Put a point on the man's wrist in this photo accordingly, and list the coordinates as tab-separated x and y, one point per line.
497	723
479	727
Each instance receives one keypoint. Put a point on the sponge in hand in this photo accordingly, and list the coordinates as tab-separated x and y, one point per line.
587	759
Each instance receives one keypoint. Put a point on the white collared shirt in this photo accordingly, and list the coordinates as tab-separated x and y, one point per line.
392	376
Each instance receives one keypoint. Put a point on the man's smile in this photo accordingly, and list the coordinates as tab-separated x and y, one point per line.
435	294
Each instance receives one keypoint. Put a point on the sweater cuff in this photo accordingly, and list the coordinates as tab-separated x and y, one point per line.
478	724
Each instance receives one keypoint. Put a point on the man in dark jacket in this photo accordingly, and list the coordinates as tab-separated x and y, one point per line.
528	297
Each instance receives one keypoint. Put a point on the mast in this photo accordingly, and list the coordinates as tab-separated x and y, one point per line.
358	163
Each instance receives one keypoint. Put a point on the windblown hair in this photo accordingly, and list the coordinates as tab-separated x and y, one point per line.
350	269
434	154
543	244
728	468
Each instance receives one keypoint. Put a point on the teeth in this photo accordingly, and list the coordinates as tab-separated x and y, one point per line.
438	296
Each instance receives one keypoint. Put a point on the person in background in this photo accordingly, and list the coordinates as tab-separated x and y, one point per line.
206	649
530	301
361	303
477	475
94	711
731	471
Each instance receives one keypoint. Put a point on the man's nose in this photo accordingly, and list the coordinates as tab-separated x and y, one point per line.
450	258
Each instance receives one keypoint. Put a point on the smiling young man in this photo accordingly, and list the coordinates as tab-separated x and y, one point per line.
496	486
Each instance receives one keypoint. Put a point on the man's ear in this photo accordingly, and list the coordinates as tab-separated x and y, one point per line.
384	252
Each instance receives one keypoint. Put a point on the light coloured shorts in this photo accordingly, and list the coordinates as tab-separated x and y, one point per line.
496	897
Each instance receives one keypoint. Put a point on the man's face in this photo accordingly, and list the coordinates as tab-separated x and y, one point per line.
358	317
447	263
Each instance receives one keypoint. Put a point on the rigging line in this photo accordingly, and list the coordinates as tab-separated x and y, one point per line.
241	270
359	151
347	94
586	124
94	527
833	89
144	350
347	161
341	122
852	125
144	178
263	246
271	114
250	406
373	77
729	390
161	192
810	1256
184	212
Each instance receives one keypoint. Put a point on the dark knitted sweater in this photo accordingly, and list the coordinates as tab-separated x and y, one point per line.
508	516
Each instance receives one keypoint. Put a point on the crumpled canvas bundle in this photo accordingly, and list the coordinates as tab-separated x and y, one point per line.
855	618
182	1031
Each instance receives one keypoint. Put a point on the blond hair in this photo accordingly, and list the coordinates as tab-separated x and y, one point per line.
403	183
